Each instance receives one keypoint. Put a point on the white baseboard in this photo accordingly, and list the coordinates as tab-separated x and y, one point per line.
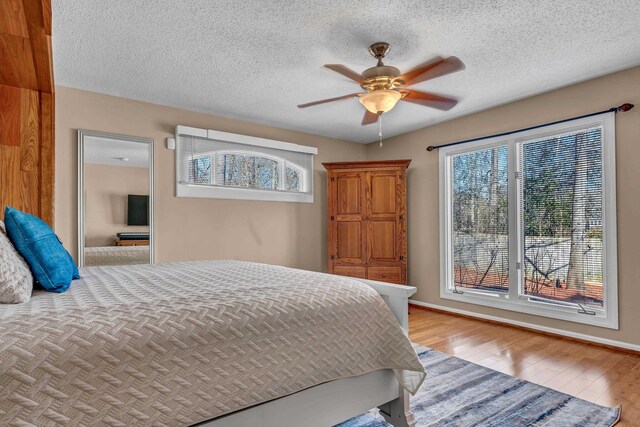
590	338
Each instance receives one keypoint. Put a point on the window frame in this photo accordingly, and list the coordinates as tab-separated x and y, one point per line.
513	300
251	145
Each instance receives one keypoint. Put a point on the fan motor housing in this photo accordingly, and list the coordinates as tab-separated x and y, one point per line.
381	77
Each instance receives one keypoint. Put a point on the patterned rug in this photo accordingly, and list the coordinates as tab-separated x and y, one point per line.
460	393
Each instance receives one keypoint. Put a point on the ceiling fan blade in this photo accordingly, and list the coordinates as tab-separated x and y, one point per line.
323	101
425	66
437	67
345	71
369	118
428	99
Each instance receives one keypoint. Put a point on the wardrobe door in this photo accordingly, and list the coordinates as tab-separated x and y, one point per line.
385	214
346	196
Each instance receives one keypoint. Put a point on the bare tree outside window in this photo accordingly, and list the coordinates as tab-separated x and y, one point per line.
246	170
200	170
480	223
293	179
562	201
249	171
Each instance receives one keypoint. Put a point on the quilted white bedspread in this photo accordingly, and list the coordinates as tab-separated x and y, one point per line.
116	255
176	344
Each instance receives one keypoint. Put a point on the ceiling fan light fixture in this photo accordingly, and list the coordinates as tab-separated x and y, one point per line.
385	85
380	101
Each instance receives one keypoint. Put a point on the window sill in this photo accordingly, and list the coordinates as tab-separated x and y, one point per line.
522	306
230	193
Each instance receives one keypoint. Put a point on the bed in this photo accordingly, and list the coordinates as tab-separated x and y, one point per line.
221	343
116	255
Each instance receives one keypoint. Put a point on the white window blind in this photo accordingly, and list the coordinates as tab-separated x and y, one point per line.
561	217
480	224
222	165
528	221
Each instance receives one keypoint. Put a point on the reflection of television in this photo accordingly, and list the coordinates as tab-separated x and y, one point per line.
137	210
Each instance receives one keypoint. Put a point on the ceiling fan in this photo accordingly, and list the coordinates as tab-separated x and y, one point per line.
385	85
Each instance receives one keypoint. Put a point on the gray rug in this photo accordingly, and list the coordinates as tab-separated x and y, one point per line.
460	393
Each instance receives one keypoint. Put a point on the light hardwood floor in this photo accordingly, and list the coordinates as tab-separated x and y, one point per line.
601	375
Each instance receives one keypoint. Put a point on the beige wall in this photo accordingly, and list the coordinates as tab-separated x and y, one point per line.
291	234
423	199
106	188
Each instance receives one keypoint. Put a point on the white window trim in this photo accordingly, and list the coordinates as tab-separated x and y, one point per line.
607	318
219	192
244	139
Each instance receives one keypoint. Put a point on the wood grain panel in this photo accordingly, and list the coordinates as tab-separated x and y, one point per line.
40	44
9	115
17	63
383	193
349	241
26	107
12	19
370	165
29	192
383	238
10	178
46	16
401	201
351	271
29	131
349	194
385	274
47	157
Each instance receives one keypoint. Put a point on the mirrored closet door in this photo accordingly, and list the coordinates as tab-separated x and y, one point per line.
115	199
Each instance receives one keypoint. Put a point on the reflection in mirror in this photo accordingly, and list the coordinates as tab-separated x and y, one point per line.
115	199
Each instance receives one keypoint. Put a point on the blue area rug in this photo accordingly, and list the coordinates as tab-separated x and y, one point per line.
460	393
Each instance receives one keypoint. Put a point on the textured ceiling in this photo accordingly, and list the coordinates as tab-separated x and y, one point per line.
113	152
256	60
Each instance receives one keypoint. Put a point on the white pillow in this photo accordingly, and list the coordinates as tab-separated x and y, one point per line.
16	281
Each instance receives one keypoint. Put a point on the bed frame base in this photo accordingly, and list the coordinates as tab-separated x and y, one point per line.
327	404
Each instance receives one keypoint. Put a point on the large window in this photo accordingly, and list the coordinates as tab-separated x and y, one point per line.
222	165
528	222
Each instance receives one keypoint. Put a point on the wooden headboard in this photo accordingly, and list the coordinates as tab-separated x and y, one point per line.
26	107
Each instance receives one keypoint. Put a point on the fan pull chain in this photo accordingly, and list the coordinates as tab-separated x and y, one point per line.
380	128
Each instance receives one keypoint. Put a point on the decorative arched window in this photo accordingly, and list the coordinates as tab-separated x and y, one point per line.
223	165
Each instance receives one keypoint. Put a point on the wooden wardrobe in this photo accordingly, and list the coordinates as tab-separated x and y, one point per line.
367	215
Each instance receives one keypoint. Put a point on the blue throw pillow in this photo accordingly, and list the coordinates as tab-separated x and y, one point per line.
50	263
